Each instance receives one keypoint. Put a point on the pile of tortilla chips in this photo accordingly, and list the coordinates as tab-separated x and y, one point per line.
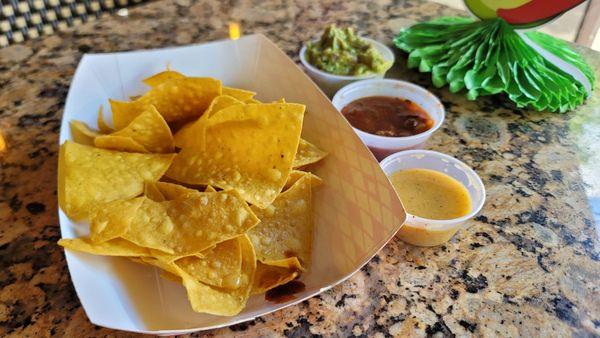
200	180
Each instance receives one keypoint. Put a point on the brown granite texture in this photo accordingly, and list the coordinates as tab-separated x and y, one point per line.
528	265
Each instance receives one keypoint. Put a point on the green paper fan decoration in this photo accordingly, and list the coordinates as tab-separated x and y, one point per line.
489	57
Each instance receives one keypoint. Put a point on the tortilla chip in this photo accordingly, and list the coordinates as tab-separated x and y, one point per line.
172	191
118	213
90	176
240	94
104	128
82	134
295	175
150	130
268	277
209	299
285	229
307	154
152	192
209	188
193	133
175	100
162	77
249	148
220	267
188	226
114	247
119	143
122	113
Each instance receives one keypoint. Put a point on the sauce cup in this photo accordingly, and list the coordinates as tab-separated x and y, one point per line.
330	83
382	146
429	232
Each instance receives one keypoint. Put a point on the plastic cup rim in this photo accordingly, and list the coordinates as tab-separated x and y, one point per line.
446	223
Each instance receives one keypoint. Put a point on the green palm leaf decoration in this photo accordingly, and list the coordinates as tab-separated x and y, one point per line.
489	57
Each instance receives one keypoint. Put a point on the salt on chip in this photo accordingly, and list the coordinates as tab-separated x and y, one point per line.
213	300
119	143
82	134
175	100
220	267
188	226
307	154
192	134
268	277
114	247
162	77
249	148
150	130
118	213
90	176
285	228
104	128
240	94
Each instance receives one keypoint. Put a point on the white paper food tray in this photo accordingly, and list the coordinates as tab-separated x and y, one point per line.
356	210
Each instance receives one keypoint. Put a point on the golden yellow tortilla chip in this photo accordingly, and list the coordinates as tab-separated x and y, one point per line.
213	300
123	112
175	100
173	191
220	267
193	133
249	148
255	101
285	228
150	130
268	277
90	176
295	175
162	77
209	188
120	143
104	128
114	247
188	226
152	192
240	94
82	134
307	154
118	213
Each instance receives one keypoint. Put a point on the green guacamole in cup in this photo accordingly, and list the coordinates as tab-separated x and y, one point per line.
341	52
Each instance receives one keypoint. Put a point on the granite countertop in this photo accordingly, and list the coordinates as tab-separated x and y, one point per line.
528	265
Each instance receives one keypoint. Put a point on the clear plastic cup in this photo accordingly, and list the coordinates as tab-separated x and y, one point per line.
382	146
428	232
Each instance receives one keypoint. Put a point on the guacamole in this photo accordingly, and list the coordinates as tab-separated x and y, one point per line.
341	52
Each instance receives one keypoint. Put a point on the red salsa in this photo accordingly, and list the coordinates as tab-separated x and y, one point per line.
387	116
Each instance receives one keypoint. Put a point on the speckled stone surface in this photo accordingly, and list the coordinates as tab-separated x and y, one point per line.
528	265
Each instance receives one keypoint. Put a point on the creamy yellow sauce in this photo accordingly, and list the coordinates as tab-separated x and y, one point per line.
431	194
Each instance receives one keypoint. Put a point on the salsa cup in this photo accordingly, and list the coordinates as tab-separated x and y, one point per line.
421	231
330	83
382	146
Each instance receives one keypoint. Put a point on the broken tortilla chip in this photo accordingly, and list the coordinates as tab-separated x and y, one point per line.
307	154
150	130
285	228
90	176
220	267
175	100
249	148
82	134
188	226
